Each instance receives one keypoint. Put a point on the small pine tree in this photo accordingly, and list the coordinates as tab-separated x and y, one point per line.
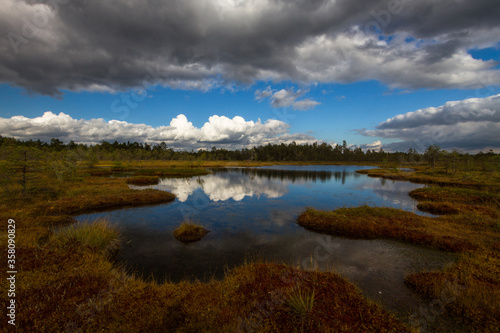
432	154
20	168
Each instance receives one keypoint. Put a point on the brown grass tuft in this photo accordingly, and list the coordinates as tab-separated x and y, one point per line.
100	236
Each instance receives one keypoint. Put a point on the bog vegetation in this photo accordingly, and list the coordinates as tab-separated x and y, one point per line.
68	283
189	232
468	205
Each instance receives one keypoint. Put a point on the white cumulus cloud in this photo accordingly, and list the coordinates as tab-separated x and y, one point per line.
376	145
400	62
472	124
286	98
181	133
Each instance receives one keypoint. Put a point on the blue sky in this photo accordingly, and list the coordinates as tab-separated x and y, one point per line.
343	108
318	69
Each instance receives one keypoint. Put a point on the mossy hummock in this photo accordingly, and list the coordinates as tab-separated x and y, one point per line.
190	232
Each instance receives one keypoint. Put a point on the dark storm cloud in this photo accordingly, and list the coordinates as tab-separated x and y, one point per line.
115	44
428	18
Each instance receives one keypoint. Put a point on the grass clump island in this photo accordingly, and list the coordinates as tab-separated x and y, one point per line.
189	232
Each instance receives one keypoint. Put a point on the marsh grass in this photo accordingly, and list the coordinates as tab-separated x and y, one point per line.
437	208
270	297
451	200
100	236
300	301
381	222
469	289
151	169
68	282
100	172
84	203
189	232
473	179
142	181
172	172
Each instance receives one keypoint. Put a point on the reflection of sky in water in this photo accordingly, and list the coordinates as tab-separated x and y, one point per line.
224	187
253	212
307	184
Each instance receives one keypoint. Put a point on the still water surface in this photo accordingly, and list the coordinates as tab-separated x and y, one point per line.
252	212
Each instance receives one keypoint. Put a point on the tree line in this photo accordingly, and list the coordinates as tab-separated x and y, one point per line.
24	161
136	151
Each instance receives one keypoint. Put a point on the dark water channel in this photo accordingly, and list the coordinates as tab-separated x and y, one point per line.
252	213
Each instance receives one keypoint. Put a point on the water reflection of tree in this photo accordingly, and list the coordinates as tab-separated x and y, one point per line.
200	182
293	175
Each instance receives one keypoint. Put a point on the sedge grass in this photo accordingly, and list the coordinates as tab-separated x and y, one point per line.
301	302
100	236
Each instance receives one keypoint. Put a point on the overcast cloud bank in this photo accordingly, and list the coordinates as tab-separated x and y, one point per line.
191	44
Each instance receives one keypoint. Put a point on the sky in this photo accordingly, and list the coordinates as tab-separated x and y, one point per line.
234	74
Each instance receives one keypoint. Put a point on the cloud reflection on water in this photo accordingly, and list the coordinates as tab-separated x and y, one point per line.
238	183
